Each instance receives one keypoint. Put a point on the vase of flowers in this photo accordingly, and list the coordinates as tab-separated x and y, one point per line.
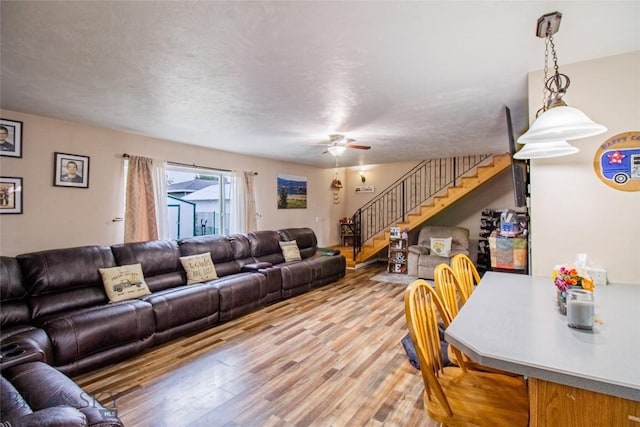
567	277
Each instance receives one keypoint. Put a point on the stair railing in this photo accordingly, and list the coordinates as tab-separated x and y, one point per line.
424	181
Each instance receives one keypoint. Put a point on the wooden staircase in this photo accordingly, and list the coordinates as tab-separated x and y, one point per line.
433	206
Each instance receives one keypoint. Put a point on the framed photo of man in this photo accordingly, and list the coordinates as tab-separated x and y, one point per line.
10	195
70	170
10	138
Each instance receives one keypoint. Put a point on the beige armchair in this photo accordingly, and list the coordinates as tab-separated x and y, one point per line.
422	260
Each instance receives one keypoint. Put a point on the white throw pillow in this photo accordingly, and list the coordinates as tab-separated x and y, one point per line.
199	268
124	282
290	251
441	246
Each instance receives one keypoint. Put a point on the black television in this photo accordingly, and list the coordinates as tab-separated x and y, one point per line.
519	168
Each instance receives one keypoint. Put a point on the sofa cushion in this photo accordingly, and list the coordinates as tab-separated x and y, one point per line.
305	238
64	279
199	268
124	282
13	296
41	395
160	261
440	246
183	309
87	332
240	294
12	403
241	249
296	278
265	246
219	247
290	251
326	268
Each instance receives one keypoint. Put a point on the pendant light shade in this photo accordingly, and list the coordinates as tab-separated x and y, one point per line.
561	124
336	150
544	150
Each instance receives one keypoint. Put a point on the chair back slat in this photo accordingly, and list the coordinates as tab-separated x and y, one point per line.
466	272
422	321
449	290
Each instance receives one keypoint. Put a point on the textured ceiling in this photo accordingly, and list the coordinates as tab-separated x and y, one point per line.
413	79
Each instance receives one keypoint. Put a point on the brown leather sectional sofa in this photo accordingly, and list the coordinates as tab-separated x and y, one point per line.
57	321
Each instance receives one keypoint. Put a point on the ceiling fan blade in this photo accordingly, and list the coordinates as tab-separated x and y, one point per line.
359	147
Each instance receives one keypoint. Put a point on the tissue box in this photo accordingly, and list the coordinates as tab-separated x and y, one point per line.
599	275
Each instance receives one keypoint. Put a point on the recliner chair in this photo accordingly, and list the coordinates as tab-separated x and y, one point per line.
422	260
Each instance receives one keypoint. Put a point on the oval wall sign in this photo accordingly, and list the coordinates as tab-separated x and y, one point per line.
617	161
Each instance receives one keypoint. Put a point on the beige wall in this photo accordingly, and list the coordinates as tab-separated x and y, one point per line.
56	217
378	176
572	211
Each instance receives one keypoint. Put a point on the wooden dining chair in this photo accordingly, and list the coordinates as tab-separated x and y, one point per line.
451	296
453	396
449	289
467	274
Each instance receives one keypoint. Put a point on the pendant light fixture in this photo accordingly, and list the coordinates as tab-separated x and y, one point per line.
544	150
555	123
336	150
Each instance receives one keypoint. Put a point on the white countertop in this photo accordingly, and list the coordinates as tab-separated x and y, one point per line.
512	322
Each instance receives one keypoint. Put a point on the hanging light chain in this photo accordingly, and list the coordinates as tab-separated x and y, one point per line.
555	86
545	93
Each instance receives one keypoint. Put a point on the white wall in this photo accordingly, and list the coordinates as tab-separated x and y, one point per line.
57	217
572	211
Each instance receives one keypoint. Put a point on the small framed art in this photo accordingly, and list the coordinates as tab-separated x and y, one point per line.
10	195
10	138
70	170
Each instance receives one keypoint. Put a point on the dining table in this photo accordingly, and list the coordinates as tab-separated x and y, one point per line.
576	377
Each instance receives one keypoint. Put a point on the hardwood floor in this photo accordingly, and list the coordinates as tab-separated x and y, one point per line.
330	357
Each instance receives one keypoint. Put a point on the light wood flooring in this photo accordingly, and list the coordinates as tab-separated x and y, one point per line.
330	357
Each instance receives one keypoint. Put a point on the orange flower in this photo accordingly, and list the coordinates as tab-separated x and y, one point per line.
587	284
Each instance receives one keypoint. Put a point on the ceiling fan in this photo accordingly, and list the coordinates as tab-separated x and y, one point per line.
339	143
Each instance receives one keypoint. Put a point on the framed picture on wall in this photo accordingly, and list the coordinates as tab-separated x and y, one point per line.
70	170
292	191
10	138
10	195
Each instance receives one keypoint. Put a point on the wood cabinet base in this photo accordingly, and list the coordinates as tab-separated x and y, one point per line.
552	404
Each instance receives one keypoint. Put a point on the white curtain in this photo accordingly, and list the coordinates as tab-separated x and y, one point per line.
243	205
250	202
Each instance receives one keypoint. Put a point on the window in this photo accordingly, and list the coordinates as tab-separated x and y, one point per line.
198	201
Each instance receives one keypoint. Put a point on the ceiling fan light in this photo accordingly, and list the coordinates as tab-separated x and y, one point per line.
336	150
545	150
561	124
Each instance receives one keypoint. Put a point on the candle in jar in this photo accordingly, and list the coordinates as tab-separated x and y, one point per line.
580	309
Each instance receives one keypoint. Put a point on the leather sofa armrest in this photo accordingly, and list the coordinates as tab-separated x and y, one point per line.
419	250
18	352
256	267
57	416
